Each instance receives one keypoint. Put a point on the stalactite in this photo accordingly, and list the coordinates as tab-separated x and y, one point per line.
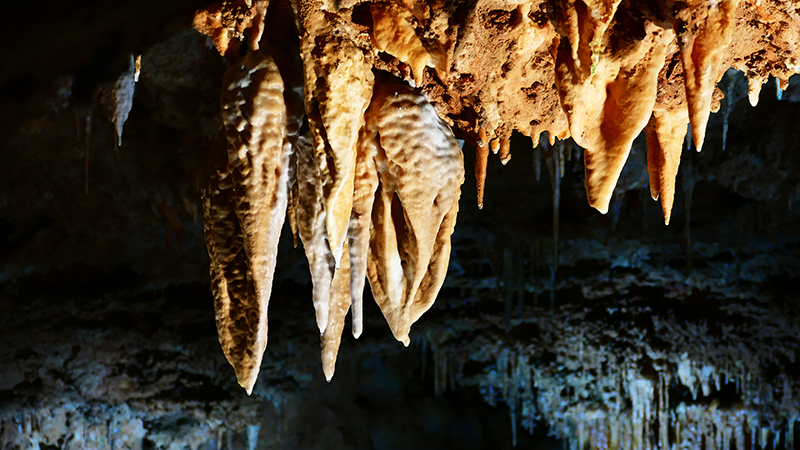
338	88
687	183
505	150
519	282
87	145
481	164
339	304
706	32
754	89
608	95
365	185
421	169
555	167
311	228
729	104
508	292
537	156
123	91
247	196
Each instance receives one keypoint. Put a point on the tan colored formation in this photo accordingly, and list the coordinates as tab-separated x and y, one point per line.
244	209
421	169
227	22
372	188
399	151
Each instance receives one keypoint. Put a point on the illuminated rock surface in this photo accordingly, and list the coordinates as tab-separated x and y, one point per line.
604	331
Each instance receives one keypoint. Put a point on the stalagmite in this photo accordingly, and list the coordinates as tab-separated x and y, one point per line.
244	208
338	88
421	170
665	136
608	94
252	436
707	28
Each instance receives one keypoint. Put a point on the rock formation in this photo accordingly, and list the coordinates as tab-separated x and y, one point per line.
488	69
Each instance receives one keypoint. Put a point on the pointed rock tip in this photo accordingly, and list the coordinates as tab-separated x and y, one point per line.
600	205
248	385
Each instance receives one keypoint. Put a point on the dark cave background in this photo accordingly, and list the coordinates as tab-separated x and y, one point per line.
107	331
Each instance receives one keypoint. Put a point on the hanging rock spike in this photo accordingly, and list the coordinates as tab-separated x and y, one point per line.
481	164
339	305
338	88
665	136
608	105
421	169
708	28
256	176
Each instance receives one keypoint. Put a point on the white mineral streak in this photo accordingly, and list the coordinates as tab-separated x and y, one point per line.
254	115
421	169
123	97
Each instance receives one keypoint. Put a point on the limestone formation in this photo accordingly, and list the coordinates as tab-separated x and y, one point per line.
421	170
375	181
248	197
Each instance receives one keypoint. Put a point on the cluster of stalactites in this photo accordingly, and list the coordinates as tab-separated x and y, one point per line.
353	184
371	189
619	408
608	67
608	89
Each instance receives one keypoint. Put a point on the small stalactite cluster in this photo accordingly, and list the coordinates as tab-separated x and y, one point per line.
615	405
371	188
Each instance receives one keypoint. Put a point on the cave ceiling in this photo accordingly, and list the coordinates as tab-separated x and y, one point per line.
586	209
